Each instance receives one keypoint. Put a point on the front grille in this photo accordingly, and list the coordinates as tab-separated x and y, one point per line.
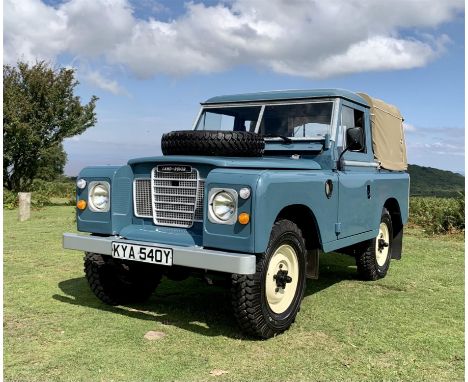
171	199
175	197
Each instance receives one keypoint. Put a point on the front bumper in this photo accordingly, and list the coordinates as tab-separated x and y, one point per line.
194	257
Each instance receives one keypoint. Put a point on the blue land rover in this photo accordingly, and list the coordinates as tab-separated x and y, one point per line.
255	192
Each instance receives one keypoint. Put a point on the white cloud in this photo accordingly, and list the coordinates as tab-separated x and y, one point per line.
32	30
436	147
97	79
307	38
409	128
94	27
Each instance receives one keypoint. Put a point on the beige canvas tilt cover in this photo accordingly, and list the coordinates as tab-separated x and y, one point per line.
388	138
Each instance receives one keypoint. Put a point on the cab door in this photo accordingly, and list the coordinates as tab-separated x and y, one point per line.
356	205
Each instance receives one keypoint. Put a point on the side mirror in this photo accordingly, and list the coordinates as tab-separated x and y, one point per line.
354	139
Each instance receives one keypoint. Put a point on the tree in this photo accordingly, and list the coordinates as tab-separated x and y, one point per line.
53	160
40	110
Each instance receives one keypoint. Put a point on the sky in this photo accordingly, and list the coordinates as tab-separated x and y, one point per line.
152	62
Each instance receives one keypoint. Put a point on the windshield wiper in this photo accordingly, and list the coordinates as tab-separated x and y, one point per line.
283	137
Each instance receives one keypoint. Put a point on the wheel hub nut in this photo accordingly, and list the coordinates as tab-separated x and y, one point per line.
282	278
382	244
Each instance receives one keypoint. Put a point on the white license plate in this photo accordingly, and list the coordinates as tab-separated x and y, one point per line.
143	253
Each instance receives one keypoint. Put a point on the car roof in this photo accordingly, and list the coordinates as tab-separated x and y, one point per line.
277	95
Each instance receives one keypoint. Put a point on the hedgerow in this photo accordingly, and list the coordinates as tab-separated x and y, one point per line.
43	194
438	215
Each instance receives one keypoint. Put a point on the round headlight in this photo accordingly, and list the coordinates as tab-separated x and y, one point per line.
99	197
224	205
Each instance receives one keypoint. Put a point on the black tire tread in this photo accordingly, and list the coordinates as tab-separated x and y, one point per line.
246	291
366	264
365	261
112	292
213	143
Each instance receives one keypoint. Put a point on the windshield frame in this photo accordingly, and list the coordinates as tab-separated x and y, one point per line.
333	120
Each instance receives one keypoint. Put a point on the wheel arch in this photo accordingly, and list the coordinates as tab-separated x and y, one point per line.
393	207
305	219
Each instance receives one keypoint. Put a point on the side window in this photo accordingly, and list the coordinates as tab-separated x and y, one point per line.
352	118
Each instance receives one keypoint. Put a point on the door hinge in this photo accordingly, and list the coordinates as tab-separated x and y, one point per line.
337	228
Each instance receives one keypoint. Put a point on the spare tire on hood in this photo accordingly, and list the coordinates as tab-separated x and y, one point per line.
213	143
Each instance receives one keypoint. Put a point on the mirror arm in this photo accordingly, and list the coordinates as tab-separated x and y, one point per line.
338	164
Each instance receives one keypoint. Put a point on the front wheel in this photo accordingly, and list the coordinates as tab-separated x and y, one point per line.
374	261
266	303
117	282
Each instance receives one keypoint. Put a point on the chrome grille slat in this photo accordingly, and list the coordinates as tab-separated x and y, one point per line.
178	175
177	192
175	216
177	187
168	222
170	198
172	195
175	211
171	207
177	203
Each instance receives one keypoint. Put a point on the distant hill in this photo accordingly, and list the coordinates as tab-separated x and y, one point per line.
428	181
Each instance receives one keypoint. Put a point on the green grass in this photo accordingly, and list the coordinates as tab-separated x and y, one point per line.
408	326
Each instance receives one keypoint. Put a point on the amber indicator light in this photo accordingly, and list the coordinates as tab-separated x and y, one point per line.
81	204
244	218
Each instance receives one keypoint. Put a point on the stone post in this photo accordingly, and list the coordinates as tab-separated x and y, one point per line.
24	211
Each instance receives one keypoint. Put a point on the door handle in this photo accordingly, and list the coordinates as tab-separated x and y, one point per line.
368	192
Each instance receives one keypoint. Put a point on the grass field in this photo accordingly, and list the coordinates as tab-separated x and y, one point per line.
408	326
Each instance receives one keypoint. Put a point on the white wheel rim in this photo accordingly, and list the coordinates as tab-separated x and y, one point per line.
381	253
284	259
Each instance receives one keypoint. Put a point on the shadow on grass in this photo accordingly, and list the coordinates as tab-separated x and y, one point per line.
194	306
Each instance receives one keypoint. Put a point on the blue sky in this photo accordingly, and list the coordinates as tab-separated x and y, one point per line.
152	62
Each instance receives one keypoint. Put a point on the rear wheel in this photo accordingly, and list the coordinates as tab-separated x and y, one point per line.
266	303
374	261
117	282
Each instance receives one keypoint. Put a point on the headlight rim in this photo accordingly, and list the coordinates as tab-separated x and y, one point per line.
212	217
91	188
81	183
229	200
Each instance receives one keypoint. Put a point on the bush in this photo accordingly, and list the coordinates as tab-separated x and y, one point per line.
54	189
44	194
40	200
10	199
438	215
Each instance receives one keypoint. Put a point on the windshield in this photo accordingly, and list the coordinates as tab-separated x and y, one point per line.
308	120
229	119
